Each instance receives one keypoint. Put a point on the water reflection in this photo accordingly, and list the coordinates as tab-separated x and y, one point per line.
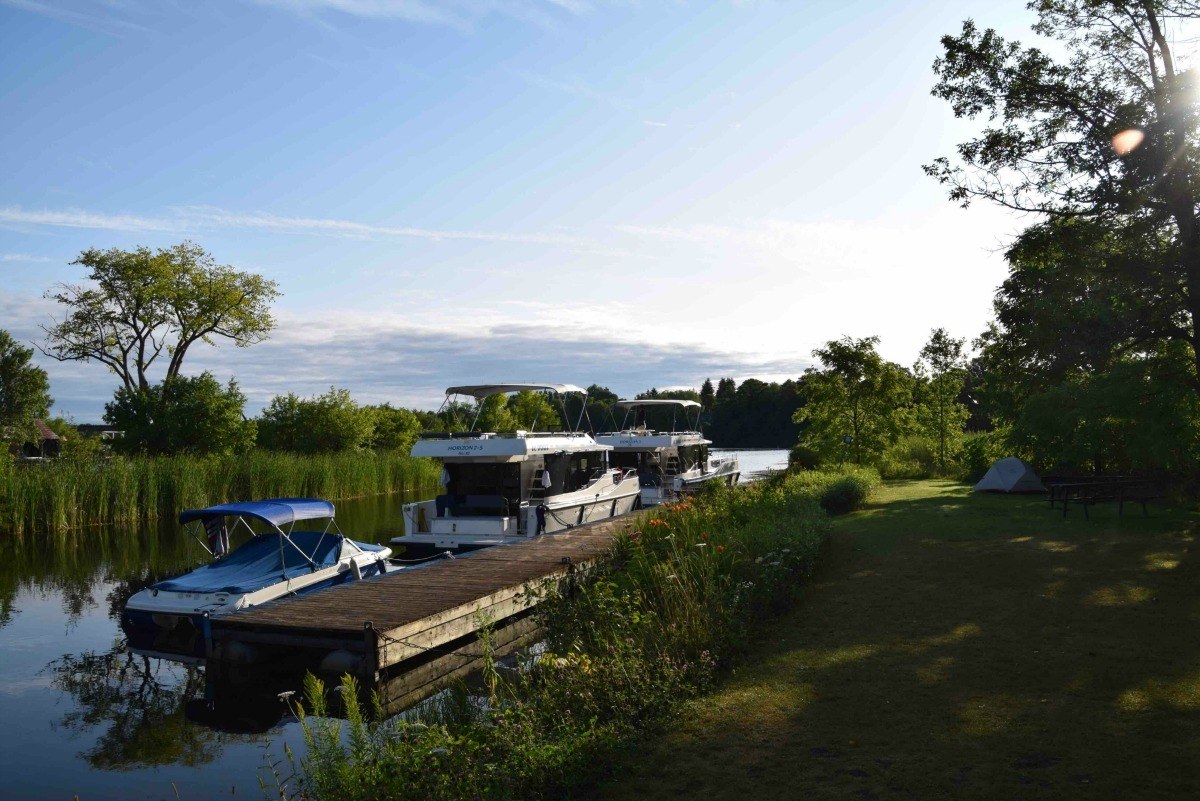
133	708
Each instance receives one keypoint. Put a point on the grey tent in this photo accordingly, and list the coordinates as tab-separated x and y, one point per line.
1010	475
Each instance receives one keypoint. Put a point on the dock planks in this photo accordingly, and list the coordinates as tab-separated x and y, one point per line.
407	613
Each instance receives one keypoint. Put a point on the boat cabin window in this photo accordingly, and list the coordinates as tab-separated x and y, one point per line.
573	471
480	490
627	460
693	456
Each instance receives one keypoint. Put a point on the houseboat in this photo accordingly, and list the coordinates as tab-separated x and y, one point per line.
499	487
668	463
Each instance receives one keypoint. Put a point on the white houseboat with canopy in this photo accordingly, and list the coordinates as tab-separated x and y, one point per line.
278	559
668	463
498	487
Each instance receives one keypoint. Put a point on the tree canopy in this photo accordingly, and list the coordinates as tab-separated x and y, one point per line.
184	414
855	394
24	387
1101	141
142	305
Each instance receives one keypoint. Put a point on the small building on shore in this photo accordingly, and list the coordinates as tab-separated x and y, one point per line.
45	444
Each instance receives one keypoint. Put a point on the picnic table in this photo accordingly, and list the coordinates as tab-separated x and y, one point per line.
1086	492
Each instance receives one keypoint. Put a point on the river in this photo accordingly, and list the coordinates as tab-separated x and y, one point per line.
82	716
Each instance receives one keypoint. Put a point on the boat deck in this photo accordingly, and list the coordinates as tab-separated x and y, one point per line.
404	614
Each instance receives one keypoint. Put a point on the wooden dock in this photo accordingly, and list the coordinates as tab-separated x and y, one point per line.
377	624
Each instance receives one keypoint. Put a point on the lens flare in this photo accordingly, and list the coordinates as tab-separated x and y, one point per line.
1127	141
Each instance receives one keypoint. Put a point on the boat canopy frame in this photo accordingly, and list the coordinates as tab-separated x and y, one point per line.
481	392
275	512
676	404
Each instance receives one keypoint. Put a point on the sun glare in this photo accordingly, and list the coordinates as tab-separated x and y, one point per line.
1127	141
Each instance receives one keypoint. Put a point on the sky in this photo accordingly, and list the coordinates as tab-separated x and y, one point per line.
632	194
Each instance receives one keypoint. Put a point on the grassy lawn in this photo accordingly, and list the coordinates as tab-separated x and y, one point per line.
967	647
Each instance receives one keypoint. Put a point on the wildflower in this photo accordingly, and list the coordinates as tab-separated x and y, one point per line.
704	535
635	535
720	549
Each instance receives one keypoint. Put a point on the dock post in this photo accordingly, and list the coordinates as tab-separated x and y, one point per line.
371	655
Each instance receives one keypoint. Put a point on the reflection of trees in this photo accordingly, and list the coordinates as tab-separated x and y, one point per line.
141	702
73	563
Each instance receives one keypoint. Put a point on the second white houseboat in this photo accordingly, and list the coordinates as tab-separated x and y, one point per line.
668	463
499	487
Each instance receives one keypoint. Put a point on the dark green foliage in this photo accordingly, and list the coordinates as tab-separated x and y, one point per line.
801	457
679	598
24	388
1092	364
185	414
755	414
395	429
321	424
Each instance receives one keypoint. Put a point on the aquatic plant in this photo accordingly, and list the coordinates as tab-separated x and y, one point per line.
677	599
67	494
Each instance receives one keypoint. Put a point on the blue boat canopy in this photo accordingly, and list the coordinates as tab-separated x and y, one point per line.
278	512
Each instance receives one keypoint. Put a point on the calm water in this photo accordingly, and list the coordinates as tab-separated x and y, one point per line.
81	716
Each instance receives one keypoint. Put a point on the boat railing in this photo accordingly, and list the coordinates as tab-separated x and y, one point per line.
498	434
647	432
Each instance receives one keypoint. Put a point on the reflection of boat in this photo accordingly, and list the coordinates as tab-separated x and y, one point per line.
170	616
499	487
667	462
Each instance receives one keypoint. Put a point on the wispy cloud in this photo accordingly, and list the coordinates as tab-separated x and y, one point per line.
654	124
454	13
198	218
23	257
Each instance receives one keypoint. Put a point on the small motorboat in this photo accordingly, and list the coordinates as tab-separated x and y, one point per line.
170	617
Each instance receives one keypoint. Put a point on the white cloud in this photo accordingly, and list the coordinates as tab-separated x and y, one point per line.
197	218
654	124
23	257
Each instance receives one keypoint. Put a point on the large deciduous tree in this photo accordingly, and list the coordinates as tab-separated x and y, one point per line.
24	388
857	394
1098	135
140	306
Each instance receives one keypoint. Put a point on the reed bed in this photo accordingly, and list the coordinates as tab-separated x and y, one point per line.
684	591
68	494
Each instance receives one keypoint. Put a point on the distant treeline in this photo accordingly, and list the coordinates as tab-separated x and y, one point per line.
753	414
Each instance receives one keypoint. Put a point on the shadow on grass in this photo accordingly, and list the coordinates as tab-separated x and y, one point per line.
963	646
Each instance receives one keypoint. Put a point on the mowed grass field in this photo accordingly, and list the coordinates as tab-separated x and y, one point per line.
961	646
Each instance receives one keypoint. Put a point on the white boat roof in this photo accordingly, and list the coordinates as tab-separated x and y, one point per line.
629	404
505	447
481	391
651	440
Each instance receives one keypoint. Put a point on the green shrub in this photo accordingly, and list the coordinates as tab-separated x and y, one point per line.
849	492
802	457
910	457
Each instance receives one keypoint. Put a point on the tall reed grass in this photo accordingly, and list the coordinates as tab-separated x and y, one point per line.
67	494
679	598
